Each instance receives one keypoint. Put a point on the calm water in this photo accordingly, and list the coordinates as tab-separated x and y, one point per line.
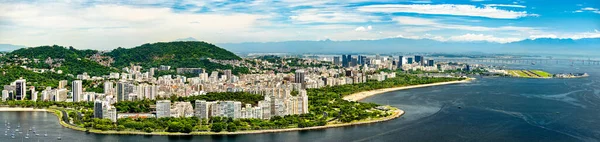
492	109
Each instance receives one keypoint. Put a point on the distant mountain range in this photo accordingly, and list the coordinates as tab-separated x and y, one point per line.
9	47
540	45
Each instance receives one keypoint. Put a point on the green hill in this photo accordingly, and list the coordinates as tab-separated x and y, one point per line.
74	60
190	54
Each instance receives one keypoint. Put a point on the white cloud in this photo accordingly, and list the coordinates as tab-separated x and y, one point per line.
590	9
447	9
482	37
574	36
330	16
363	29
505	5
406	20
110	26
543	36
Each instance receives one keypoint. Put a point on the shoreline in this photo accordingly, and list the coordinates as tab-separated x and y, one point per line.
365	94
395	114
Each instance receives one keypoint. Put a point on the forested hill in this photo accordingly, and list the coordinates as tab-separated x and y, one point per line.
69	60
55	51
176	54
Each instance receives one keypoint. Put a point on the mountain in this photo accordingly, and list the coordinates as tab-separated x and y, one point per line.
9	47
192	54
71	60
540	45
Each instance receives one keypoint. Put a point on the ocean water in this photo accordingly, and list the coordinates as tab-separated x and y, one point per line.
487	109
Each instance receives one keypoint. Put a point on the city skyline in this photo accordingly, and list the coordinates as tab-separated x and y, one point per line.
107	25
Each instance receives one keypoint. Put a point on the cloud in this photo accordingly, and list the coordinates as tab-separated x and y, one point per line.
482	37
363	29
543	36
329	16
110	26
590	9
574	36
505	5
447	9
406	20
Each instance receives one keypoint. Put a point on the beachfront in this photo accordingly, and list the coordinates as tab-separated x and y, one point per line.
362	95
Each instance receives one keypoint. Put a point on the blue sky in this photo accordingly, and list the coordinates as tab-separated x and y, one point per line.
106	25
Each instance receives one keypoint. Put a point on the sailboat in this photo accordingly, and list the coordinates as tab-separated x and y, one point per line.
45	135
59	138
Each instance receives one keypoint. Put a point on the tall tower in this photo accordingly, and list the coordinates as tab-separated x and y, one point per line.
77	90
400	61
20	89
299	78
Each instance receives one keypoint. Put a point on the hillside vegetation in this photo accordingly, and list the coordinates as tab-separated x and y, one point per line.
74	60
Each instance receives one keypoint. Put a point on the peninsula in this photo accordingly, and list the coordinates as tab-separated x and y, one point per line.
196	88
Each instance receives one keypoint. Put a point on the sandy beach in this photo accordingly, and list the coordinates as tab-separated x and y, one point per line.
20	109
362	95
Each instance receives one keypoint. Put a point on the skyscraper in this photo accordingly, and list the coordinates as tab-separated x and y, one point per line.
77	90
419	60
336	60
299	77
344	61
348	60
430	63
20	86
98	109
228	74
400	61
363	60
163	108
202	109
108	88
409	60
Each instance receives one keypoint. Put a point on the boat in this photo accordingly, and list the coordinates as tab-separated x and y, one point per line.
45	135
59	138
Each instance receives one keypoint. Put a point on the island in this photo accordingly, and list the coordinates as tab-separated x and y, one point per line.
196	88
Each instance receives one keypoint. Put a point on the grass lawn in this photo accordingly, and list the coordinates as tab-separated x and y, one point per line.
542	73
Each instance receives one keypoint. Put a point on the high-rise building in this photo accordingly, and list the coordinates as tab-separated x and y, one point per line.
409	60
123	90
77	90
227	74
363	60
336	60
400	61
202	109
419	60
299	76
20	86
163	108
344	61
430	62
33	93
98	109
108	88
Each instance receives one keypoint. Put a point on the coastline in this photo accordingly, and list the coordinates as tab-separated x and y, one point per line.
395	114
353	97
365	94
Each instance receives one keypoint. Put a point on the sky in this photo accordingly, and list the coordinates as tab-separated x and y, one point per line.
108	24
